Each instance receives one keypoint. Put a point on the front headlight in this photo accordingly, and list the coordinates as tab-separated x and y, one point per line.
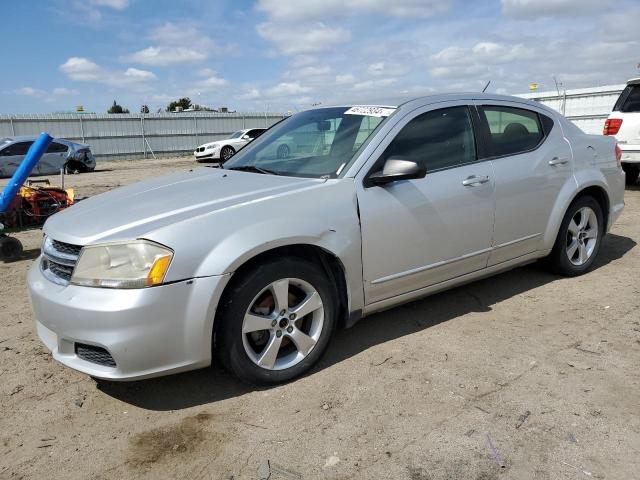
135	264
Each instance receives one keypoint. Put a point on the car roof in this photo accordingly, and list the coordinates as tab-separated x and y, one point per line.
634	81
32	138
404	102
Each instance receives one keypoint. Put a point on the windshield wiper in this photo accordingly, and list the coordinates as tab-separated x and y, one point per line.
252	168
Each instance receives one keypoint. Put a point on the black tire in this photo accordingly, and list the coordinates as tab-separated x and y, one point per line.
283	151
559	260
228	337
631	173
10	248
73	168
226	153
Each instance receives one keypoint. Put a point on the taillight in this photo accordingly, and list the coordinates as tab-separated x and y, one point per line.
612	126
618	155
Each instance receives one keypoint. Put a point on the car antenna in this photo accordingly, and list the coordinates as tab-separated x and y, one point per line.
486	86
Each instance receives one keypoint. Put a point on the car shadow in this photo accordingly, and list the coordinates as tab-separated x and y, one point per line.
213	384
30	254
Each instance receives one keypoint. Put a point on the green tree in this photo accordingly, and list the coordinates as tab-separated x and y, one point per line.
184	103
144	109
115	108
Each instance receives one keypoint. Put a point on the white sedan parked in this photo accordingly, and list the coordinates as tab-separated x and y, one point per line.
223	150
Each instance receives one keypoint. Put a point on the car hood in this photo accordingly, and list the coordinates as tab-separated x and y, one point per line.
137	210
217	143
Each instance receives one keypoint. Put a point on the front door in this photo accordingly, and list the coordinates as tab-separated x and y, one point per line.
417	233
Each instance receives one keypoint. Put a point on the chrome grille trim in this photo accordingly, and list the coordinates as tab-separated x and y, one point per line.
58	260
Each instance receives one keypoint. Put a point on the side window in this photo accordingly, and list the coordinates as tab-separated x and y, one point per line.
56	147
512	130
20	148
437	139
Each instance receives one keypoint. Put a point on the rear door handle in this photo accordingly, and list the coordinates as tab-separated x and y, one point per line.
474	180
558	161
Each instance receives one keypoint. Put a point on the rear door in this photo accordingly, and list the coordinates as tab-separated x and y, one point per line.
417	233
532	161
54	159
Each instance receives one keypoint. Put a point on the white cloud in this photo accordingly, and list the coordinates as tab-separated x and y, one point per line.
462	62
251	94
60	91
548	8
211	83
115	4
376	68
163	56
84	70
31	92
175	44
303	39
287	89
319	9
81	69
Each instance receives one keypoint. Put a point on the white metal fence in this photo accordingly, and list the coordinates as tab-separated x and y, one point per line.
137	135
588	108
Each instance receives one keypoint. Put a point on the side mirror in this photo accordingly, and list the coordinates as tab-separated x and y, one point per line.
246	137
396	169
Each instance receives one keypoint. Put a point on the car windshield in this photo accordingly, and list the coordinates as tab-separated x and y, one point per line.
237	134
314	143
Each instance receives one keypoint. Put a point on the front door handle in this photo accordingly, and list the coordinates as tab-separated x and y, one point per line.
558	161
474	180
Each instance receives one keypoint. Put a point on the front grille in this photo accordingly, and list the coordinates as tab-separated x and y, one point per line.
59	260
94	354
66	247
200	149
61	271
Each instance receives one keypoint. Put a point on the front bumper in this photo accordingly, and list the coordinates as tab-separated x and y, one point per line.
149	332
207	155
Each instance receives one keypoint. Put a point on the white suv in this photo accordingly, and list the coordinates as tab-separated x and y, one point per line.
624	123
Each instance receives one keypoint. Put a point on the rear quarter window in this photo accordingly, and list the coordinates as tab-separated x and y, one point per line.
629	100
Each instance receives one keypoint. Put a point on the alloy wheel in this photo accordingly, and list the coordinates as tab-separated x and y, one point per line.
582	236
283	324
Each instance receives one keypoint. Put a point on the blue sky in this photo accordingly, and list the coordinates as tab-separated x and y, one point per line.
288	54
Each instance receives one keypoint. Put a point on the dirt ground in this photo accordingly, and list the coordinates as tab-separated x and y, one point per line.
525	375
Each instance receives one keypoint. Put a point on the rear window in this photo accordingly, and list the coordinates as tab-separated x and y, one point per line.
512	130
56	147
629	100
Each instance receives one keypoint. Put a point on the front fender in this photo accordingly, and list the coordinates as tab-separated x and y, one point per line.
323	215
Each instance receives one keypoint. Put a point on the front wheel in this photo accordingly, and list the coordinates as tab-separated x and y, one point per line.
579	238
276	321
226	153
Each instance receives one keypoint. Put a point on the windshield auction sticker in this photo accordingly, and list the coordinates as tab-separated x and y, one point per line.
370	111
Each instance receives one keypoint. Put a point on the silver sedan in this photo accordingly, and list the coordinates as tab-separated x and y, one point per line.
258	263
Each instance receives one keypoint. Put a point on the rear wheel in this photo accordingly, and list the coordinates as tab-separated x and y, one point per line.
276	321
631	173
10	248
579	238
